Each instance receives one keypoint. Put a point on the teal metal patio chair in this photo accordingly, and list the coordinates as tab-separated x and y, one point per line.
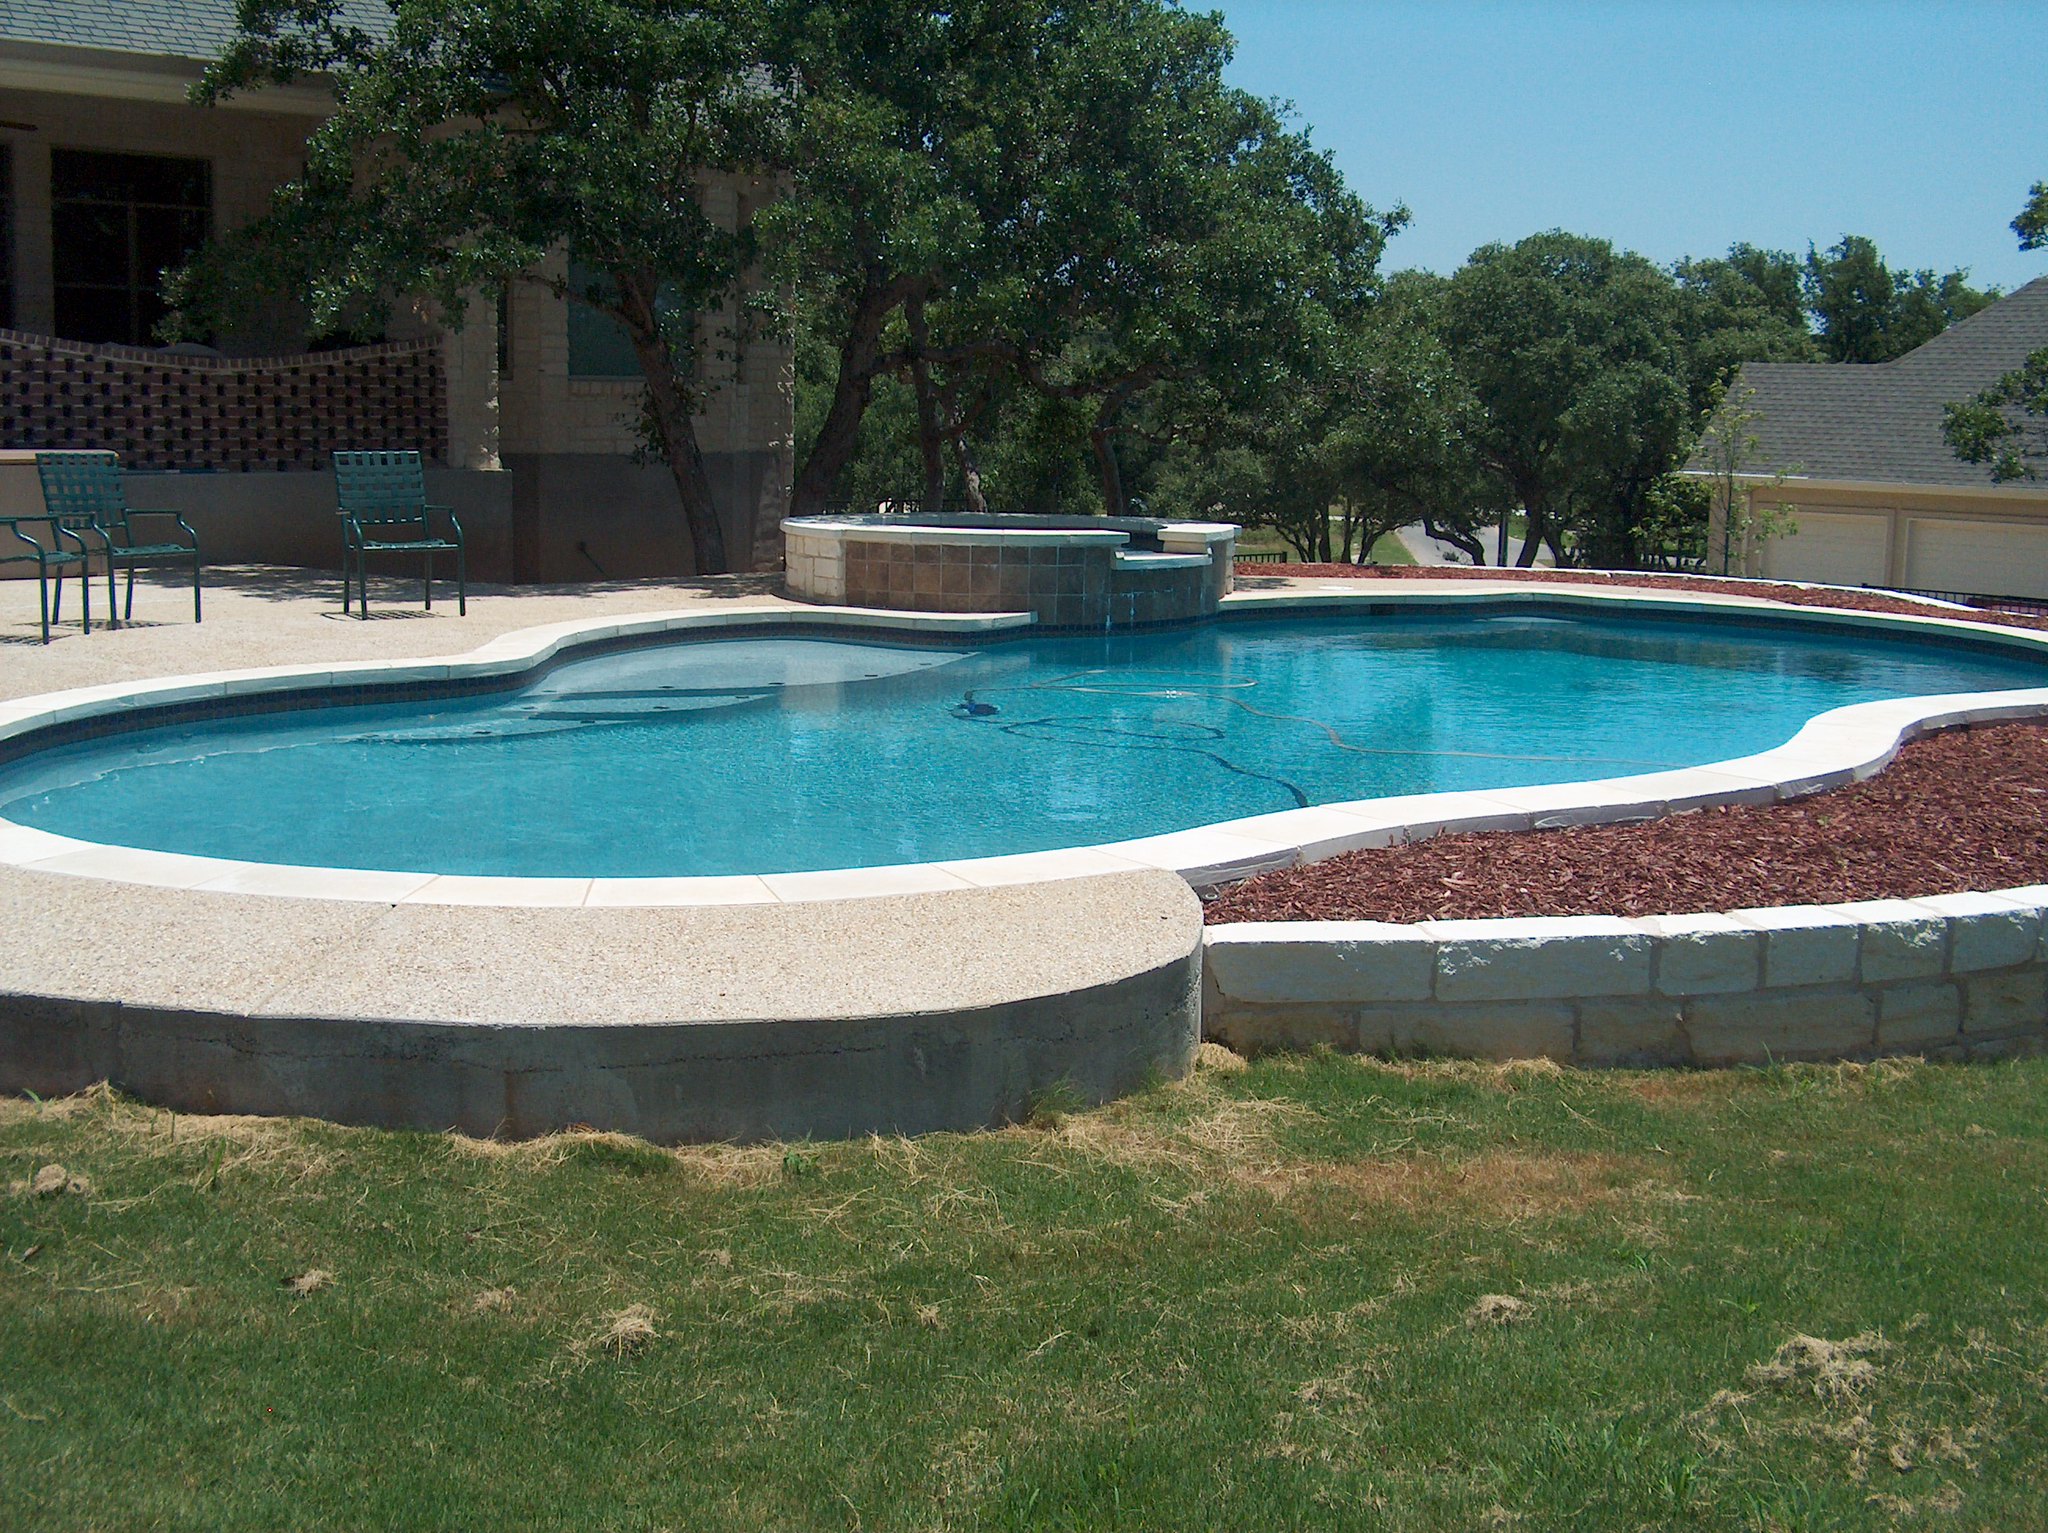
50	555
383	501
83	491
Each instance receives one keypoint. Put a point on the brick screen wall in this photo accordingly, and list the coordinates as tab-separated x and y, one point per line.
234	415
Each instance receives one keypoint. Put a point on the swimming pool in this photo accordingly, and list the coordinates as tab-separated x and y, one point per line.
772	754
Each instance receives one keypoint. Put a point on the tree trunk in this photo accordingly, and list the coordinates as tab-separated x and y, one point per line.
1535	533
1102	438
859	363
1466	543
929	444
673	406
970	475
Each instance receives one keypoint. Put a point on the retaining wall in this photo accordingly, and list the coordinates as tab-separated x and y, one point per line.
1953	976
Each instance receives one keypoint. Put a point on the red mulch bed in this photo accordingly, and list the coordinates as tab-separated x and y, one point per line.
1856	601
1964	809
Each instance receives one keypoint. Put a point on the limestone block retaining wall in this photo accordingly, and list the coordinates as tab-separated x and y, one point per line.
1953	976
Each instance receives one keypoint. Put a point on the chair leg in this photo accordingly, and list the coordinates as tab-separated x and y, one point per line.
195	585
427	583
43	597
461	582
114	607
128	615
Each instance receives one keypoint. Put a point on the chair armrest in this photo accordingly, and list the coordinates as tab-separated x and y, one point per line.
13	525
164	516
449	512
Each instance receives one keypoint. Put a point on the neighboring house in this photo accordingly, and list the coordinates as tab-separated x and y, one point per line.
1873	491
108	176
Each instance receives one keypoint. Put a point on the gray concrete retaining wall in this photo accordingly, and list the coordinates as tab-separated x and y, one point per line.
1954	976
687	1081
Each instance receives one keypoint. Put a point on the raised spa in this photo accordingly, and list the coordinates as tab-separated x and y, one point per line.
1091	573
765	754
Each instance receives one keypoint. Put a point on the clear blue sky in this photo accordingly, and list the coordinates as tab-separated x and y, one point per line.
1676	128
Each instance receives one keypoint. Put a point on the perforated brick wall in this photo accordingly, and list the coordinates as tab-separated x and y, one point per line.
234	415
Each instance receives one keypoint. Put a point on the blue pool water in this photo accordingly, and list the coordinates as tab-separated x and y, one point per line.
764	755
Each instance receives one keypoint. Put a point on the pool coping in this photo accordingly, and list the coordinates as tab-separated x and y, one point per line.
1833	748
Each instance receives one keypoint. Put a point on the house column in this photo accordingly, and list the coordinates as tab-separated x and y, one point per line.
469	358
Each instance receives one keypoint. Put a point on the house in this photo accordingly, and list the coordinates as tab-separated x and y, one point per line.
1855	455
108	176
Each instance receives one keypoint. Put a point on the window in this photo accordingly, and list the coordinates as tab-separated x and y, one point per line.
117	223
599	346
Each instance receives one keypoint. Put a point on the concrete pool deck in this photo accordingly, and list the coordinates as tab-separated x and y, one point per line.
941	997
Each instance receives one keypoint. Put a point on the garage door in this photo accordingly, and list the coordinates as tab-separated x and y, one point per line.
1832	547
1983	558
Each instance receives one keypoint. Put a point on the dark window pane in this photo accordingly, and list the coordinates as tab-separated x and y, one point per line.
117	223
163	239
96	314
90	244
599	346
88	175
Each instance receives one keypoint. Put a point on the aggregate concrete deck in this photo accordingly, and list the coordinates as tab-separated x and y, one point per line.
828	1017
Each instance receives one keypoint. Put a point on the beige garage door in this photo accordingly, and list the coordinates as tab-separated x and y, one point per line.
1832	547
1984	558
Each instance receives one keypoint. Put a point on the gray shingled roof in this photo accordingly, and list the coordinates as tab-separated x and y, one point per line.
181	29
1882	422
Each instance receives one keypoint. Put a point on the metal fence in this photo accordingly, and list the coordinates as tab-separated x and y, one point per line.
2035	605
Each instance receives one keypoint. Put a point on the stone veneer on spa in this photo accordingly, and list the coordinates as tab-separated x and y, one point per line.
1067	572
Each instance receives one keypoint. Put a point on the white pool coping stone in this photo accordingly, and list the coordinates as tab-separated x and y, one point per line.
1836	747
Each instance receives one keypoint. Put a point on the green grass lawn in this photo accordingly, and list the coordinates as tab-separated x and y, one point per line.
1321	1291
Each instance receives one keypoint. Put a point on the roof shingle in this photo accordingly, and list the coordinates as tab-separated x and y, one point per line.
1882	422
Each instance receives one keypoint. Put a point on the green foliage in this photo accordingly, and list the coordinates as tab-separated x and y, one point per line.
2032	223
1127	235
1574	355
1745	307
1866	312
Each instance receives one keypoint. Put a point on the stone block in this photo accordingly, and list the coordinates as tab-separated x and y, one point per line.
1287	1029
1559	958
1631	1031
1901	940
1804	944
1350	961
1919	1015
2002	1005
1706	955
1768	1025
1496	1030
1987	931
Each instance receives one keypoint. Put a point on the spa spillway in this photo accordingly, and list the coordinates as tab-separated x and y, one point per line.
1087	573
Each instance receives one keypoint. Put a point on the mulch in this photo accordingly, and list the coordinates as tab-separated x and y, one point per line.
1960	810
1798	596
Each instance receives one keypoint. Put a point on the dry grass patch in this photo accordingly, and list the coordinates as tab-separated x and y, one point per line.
309	1282
1833	1370
1494	1184
1499	1309
623	1334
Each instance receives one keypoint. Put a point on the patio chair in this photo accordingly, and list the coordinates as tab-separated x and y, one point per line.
83	492
49	554
383	501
